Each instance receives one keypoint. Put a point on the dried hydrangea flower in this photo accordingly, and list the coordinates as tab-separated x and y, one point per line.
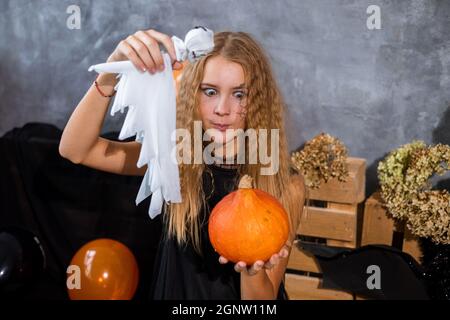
405	188
322	158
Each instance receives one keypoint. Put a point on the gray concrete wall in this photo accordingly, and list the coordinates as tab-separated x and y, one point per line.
374	89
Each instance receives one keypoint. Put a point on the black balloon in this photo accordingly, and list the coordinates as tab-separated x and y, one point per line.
22	258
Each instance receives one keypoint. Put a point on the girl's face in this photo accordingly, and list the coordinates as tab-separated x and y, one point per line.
223	98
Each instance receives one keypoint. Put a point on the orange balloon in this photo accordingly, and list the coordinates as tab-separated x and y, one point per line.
108	271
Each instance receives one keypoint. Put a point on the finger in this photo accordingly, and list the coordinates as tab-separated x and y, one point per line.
156	52
166	41
288	244
240	266
268	265
257	266
274	259
153	48
177	65
143	52
284	253
128	51
223	260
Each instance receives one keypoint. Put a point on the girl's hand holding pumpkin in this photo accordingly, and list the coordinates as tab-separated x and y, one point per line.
241	266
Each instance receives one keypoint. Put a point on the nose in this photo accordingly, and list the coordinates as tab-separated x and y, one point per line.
223	107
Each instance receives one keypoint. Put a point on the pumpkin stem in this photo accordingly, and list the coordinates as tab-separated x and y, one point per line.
246	182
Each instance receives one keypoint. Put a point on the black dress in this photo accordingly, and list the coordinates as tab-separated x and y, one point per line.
181	273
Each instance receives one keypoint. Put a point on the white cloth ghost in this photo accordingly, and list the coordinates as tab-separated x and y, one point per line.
151	116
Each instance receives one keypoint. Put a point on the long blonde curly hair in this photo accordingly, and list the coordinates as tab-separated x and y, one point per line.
265	110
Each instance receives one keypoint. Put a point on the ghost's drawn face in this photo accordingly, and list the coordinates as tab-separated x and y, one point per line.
222	98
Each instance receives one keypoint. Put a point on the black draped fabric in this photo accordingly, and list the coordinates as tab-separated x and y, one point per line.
182	273
66	205
400	277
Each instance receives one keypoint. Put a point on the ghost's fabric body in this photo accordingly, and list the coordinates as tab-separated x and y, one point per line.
151	117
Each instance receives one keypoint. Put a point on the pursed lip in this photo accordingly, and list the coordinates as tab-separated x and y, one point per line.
221	127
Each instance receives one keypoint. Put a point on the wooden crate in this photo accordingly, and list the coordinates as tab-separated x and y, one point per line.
380	228
309	288
333	217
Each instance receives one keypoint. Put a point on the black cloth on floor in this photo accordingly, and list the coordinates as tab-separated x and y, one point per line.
67	205
371	271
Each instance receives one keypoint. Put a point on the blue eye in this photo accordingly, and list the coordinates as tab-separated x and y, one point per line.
239	94
209	92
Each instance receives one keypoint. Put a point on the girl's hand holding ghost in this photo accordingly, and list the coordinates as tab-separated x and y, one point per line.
142	49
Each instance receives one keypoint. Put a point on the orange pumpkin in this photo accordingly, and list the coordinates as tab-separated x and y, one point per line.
248	225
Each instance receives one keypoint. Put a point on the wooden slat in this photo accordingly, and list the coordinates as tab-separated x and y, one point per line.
340	243
350	191
308	288
328	223
378	227
302	261
411	245
353	208
349	207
